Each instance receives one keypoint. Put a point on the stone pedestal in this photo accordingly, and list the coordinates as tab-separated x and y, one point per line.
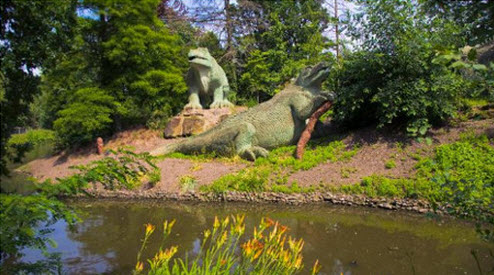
192	122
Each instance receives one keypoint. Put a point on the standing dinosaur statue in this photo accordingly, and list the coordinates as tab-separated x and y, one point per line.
276	122
206	80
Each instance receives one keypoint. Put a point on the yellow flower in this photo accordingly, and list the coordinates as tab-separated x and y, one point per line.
216	222
222	239
169	252
316	268
298	263
149	229
139	266
258	253
207	233
225	222
167	226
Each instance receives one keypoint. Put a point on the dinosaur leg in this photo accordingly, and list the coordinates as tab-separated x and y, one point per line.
194	102
220	100
243	143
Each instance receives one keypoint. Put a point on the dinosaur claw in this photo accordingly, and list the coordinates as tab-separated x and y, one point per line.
193	105
221	104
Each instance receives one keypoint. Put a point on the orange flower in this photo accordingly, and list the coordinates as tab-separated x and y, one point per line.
223	262
149	229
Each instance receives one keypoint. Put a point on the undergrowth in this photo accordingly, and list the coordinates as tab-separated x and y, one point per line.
459	175
271	173
123	169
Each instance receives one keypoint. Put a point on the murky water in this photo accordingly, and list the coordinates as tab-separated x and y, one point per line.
344	239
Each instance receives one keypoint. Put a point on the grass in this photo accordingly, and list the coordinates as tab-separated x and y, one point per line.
459	174
390	164
347	171
271	173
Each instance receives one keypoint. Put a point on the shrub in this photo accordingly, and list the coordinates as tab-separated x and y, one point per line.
125	169
392	78
87	116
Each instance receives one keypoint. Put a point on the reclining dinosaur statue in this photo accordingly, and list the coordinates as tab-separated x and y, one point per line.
206	80
276	122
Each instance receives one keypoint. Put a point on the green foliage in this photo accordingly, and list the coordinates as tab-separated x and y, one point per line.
314	155
124	170
154	176
271	173
26	221
480	78
187	183
248	179
19	144
121	70
292	39
460	174
392	79
267	251
86	117
390	164
476	17
32	35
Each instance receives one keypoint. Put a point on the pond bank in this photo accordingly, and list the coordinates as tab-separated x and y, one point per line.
418	206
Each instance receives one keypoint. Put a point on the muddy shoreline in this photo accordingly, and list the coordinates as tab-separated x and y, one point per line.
412	205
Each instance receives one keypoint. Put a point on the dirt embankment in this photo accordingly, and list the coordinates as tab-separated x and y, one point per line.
380	153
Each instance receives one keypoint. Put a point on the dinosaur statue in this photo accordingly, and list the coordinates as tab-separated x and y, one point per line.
276	122
206	79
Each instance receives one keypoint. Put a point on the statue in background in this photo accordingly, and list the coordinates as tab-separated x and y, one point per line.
277	122
206	80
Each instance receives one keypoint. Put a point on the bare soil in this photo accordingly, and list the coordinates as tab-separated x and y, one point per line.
376	149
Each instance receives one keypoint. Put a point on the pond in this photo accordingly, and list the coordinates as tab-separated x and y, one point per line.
346	240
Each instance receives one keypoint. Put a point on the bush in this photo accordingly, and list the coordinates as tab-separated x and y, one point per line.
41	139
386	89
124	170
392	78
87	116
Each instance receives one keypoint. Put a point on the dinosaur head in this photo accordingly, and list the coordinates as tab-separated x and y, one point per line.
200	57
313	76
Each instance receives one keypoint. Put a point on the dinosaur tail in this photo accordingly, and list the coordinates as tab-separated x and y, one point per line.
188	146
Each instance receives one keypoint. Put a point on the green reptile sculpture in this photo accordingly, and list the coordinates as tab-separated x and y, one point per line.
276	122
206	79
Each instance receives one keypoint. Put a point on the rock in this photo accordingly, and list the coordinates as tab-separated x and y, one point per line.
195	121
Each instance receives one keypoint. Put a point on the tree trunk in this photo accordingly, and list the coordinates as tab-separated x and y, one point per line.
306	134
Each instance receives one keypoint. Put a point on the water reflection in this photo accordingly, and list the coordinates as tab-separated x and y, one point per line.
345	240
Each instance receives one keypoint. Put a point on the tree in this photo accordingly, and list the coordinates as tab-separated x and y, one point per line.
289	37
391	78
32	33
475	17
124	51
